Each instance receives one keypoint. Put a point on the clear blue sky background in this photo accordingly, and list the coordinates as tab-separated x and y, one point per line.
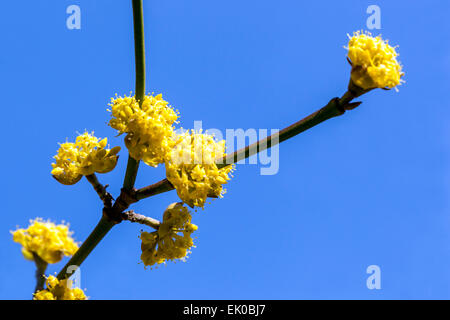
368	188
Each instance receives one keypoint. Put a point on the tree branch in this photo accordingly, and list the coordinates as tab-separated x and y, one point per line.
334	108
41	266
102	228
139	218
112	216
128	195
139	53
101	190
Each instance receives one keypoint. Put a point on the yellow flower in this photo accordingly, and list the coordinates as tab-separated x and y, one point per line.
60	290
374	62
149	129
49	241
173	238
191	168
44	295
84	157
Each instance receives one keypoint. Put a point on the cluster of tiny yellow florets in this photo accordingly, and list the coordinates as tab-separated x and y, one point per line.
172	240
192	170
84	157
149	128
59	290
49	241
374	62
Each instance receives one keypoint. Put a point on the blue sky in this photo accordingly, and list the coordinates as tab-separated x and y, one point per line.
368	188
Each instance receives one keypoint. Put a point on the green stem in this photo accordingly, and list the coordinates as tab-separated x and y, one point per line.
152	190
105	224
131	173
102	228
334	108
139	52
41	266
139	49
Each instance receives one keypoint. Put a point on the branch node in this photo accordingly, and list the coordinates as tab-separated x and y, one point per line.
125	199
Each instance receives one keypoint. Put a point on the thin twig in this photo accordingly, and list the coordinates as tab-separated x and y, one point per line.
128	195
112	216
334	108
159	187
139	218
102	228
104	195
139	52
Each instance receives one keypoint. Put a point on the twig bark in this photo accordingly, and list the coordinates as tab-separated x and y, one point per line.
104	195
139	218
334	108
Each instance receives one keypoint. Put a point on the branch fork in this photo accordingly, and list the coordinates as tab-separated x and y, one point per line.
115	212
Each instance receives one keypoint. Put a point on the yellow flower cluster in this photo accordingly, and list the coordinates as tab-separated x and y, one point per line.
374	62
84	157
173	238
49	241
149	129
59	290
191	168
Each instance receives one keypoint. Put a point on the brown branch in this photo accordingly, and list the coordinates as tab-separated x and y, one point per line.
334	108
139	218
101	190
154	189
115	214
